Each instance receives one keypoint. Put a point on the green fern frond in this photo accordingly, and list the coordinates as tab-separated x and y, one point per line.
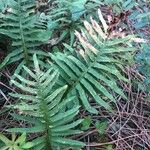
65	16
16	143
121	5
95	69
43	107
20	23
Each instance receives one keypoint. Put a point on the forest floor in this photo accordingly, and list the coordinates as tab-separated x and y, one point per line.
128	126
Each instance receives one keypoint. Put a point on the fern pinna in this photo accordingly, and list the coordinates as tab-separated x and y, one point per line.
21	24
93	70
43	108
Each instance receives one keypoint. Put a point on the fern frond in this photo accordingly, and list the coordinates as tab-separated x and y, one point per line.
120	5
65	17
95	69
20	23
43	107
18	143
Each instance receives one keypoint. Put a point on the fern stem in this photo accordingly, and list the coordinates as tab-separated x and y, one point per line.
44	110
22	35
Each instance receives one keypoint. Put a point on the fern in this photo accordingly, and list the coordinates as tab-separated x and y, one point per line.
16	143
65	17
139	21
41	105
119	6
94	70
20	23
143	58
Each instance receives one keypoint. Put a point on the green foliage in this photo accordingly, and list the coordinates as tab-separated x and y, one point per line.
144	59
43	107
66	17
21	24
94	70
101	126
86	123
109	147
16	143
119	6
76	8
139	21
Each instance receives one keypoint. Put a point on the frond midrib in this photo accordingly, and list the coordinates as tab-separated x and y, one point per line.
44	109
25	51
91	64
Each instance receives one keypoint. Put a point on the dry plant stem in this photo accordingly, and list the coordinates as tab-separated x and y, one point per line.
1	83
112	142
4	95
